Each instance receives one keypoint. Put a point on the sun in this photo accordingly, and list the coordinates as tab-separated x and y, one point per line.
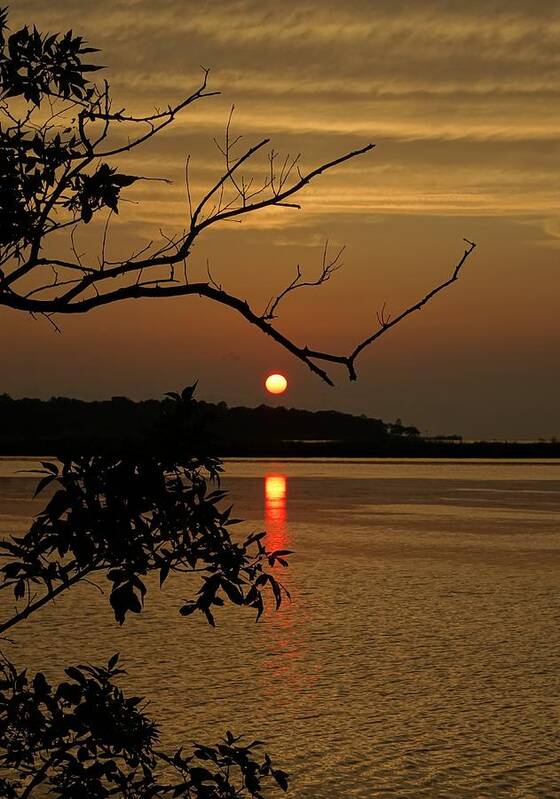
276	384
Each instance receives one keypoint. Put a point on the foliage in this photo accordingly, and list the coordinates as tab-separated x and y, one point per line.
129	515
36	160
34	66
85	738
32	158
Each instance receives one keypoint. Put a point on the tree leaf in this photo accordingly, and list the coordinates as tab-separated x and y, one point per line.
113	661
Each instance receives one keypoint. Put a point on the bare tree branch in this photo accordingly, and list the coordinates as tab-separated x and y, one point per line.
328	267
213	292
73	181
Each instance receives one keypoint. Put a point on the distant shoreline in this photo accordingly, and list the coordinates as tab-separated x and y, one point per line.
417	449
64	425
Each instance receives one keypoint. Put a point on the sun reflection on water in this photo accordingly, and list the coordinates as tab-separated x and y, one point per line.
287	630
275	493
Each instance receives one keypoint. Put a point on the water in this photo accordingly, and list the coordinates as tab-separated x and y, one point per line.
420	656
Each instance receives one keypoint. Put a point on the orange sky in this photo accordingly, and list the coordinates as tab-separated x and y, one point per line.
462	103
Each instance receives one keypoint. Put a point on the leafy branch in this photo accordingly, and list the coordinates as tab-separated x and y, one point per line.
85	737
128	515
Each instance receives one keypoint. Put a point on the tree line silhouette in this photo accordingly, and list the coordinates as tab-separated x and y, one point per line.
34	426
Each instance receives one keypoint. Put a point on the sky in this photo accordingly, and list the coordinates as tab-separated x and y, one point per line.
461	101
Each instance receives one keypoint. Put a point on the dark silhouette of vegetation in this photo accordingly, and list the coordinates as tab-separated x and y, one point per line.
63	424
127	515
84	739
75	427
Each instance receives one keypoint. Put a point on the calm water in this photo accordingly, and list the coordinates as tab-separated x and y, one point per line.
420	656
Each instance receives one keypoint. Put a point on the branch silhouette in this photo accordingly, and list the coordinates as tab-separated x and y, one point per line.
60	136
127	514
84	737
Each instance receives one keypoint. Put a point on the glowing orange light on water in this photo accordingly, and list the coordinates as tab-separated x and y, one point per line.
286	656
275	491
276	384
275	487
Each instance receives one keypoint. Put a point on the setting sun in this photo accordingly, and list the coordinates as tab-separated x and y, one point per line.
276	384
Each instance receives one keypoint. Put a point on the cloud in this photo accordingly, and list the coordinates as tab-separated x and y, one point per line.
462	100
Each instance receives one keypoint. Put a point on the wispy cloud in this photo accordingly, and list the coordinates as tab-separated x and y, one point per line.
462	99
